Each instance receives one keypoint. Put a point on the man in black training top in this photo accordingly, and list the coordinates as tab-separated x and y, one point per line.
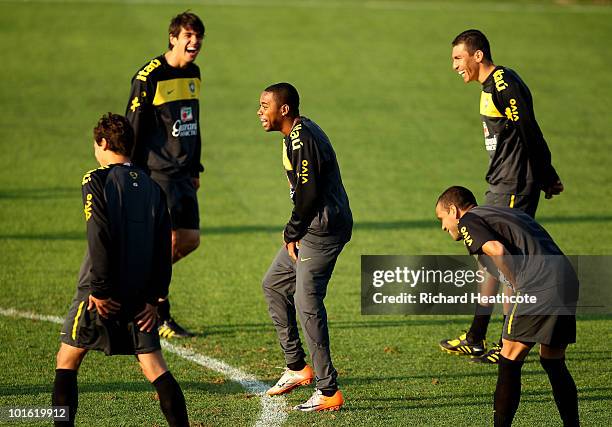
126	270
519	160
511	243
164	111
320	225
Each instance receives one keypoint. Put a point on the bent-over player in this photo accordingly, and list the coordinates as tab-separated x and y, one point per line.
516	248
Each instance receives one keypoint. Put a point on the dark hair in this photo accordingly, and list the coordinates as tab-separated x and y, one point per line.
187	20
474	40
118	133
285	93
458	196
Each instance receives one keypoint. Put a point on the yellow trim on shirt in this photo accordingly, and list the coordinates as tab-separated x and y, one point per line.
176	90
286	161
487	107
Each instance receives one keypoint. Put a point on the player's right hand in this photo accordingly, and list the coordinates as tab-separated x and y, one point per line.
292	249
105	307
196	183
555	189
147	318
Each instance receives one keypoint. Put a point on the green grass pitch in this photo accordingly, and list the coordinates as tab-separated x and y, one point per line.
377	77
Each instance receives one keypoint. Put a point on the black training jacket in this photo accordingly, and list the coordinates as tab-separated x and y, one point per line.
321	212
164	111
537	264
520	161
128	253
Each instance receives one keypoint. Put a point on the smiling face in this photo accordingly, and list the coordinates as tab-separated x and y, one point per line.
465	64
270	113
186	46
449	219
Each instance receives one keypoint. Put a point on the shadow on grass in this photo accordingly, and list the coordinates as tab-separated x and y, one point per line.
442	378
224	329
391	225
377	322
254	229
466	399
41	193
227	387
583	356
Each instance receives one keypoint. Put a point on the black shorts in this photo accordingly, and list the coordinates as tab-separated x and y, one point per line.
182	202
87	329
526	203
552	330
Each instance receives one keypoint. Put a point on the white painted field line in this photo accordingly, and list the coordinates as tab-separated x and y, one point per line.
11	312
273	410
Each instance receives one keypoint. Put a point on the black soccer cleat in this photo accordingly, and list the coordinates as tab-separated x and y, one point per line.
462	346
490	357
170	329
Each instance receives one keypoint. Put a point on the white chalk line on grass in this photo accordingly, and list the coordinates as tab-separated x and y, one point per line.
273	410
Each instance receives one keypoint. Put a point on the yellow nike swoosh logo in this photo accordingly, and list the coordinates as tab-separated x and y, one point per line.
305	259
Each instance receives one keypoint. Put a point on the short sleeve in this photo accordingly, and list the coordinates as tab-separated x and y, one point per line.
475	232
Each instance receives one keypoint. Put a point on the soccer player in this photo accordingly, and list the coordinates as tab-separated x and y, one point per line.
320	225
164	111
126	270
519	160
513	243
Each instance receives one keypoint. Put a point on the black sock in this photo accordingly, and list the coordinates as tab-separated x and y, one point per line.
163	310
564	390
508	391
297	366
171	400
478	330
66	393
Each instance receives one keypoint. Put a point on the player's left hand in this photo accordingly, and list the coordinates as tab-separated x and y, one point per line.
555	189
105	307
196	183
147	318
292	249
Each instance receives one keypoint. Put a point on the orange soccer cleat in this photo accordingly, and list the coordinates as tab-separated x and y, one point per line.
290	380
319	402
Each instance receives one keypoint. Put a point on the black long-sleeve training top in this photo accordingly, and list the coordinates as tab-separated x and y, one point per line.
520	161
128	253
321	212
164	111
